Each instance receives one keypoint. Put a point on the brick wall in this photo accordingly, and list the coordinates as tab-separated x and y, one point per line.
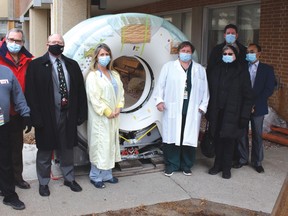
273	38
172	5
274	41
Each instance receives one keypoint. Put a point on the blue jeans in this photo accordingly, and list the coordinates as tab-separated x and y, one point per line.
98	175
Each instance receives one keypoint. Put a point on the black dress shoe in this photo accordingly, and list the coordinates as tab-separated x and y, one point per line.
15	204
22	184
226	174
74	186
259	169
214	170
239	165
44	190
113	180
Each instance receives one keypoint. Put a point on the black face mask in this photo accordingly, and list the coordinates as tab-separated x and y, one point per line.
56	49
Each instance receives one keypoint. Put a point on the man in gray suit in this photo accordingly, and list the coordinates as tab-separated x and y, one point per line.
56	95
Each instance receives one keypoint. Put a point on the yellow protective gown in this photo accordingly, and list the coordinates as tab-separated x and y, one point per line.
103	133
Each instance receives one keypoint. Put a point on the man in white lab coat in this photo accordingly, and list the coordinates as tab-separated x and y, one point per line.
182	95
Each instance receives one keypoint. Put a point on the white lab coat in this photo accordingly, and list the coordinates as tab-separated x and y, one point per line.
103	133
170	90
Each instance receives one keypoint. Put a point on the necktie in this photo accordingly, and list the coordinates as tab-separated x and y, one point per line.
253	69
62	85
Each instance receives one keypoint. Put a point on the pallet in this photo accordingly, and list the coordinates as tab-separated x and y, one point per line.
141	166
125	167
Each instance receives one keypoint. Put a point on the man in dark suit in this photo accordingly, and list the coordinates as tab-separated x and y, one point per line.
56	95
263	83
230	37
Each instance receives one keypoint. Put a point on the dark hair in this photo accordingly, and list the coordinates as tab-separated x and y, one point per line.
257	46
185	43
231	26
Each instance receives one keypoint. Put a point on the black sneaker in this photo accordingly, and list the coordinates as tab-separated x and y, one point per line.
15	204
187	172
168	173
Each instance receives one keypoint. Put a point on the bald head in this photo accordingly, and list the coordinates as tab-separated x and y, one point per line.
55	44
55	39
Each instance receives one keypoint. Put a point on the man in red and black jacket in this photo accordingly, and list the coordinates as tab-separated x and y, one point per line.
14	55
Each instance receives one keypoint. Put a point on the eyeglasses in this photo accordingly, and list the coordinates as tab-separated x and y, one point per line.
12	40
230	54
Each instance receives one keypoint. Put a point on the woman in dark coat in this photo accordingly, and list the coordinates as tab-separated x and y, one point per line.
229	107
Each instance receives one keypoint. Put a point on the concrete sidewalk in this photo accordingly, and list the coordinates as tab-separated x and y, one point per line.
246	189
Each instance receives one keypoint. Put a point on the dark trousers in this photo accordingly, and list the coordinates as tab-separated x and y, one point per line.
179	157
65	156
257	151
16	141
224	148
6	169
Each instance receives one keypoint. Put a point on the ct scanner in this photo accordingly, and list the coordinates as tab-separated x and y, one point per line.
141	44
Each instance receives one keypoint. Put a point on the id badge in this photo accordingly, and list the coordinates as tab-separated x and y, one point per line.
185	94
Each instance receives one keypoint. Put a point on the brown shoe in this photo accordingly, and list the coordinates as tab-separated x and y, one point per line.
22	184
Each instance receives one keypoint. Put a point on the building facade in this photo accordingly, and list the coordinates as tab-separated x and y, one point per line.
260	21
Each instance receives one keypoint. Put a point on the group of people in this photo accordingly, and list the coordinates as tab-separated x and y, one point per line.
51	94
231	92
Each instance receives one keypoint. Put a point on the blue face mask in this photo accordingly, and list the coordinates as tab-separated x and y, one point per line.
185	57
230	38
13	47
227	58
251	57
104	60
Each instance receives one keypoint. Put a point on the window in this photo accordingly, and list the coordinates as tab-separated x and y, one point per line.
182	21
246	17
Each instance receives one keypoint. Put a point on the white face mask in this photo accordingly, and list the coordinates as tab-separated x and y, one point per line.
13	47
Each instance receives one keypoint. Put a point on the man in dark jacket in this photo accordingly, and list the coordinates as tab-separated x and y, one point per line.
56	95
263	83
230	36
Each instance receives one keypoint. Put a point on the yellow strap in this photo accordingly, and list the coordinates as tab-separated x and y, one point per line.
145	35
146	133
